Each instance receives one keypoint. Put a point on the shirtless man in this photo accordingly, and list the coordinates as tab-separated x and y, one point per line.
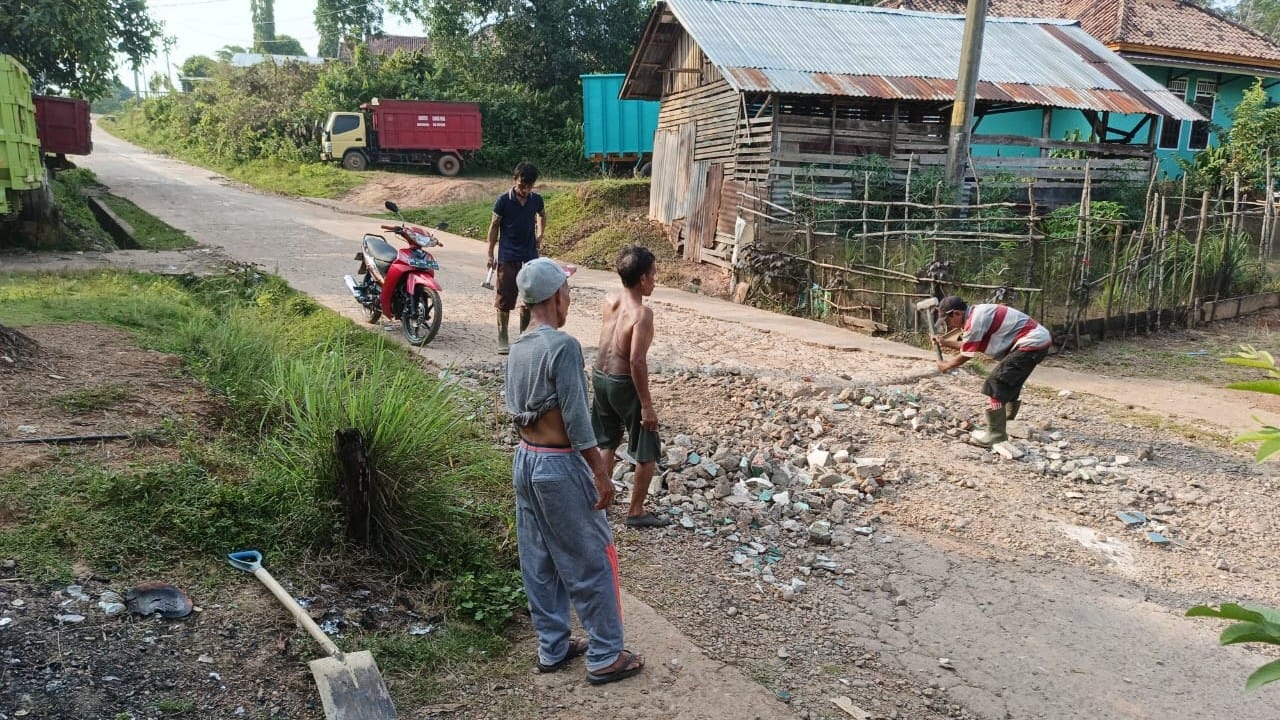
562	489
621	379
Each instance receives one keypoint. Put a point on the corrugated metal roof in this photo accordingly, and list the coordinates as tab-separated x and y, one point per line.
830	49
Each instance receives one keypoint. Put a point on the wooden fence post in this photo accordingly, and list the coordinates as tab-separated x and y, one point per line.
1195	262
1111	291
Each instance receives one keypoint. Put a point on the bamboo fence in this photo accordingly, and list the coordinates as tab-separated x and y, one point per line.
1081	270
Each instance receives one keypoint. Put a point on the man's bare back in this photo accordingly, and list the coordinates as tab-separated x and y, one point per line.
622	316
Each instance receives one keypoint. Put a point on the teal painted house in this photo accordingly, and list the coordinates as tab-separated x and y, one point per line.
1199	55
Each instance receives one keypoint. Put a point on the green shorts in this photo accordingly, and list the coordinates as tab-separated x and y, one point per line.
617	405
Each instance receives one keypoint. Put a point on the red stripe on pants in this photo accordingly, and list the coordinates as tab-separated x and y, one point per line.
612	552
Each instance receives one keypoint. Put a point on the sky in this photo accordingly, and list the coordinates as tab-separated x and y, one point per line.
202	27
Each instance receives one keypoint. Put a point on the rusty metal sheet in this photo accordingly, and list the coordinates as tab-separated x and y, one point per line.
844	50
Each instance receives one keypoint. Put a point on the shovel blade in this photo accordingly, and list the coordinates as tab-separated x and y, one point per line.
352	688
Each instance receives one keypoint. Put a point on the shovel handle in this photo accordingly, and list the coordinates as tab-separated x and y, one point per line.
251	561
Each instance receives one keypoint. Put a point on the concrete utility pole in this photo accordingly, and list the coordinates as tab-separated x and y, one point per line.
966	89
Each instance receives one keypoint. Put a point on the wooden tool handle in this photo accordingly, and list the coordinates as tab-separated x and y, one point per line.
298	613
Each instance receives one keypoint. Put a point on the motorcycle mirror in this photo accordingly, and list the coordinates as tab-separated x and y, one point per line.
392	207
442	226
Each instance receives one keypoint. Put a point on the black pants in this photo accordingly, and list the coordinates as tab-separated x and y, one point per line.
1006	381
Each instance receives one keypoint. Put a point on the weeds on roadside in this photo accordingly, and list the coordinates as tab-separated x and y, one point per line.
292	374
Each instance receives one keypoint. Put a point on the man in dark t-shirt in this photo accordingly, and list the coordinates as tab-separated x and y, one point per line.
515	231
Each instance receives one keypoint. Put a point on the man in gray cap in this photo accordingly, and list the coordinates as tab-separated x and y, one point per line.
562	489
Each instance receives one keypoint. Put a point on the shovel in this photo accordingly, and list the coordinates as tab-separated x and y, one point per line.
350	685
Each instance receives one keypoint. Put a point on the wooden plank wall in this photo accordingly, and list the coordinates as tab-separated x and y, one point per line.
688	197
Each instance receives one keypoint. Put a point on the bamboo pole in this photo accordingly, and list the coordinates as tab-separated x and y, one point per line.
1235	205
1162	238
898	203
1081	209
1195	263
1111	291
1264	232
1031	259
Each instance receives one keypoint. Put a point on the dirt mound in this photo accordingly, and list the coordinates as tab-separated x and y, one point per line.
16	348
415	191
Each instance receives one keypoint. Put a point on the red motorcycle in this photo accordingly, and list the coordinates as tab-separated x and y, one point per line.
400	284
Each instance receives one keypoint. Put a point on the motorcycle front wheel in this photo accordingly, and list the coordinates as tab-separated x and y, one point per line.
421	320
370	288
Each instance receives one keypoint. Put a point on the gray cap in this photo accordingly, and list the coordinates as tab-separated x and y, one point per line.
541	278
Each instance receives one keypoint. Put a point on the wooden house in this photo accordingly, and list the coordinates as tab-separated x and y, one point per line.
762	96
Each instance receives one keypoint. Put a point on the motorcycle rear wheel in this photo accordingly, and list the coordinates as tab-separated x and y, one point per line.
371	311
421	319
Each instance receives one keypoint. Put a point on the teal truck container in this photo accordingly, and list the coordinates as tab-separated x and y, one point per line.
616	133
21	167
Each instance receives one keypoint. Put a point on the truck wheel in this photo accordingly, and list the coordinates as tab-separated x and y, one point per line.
448	165
645	170
355	160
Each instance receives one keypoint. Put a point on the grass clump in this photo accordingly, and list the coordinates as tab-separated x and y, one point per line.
291	375
79	228
89	399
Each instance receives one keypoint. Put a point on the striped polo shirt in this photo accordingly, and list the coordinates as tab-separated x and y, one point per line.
994	330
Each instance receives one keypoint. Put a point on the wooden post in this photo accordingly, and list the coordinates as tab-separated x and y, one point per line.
1157	265
834	105
1046	132
1235	205
355	483
808	256
1111	291
1182	203
1195	262
966	94
1031	242
1268	208
1081	209
893	134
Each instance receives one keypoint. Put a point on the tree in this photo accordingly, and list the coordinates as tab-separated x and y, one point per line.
228	51
263	13
283	45
1261	15
544	45
70	45
338	20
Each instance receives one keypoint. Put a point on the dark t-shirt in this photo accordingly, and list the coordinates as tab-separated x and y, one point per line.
516	237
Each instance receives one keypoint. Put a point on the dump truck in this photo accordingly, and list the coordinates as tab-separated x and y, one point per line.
22	175
64	128
425	133
616	134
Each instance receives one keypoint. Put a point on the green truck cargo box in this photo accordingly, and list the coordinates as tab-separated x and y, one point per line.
20	160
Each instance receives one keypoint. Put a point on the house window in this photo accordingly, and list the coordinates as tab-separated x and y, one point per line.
1171	129
1206	93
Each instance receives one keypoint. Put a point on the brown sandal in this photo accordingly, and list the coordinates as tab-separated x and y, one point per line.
632	664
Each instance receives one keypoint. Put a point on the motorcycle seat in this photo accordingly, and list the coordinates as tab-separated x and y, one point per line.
379	249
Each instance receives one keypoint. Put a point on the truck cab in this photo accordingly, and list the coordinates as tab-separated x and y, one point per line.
346	138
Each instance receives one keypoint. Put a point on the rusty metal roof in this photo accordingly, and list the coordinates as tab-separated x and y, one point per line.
844	50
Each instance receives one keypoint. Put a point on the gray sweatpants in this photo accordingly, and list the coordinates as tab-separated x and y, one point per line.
566	554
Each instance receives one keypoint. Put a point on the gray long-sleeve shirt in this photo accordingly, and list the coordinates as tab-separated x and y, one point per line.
545	370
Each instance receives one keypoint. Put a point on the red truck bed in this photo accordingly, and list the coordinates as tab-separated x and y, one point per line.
63	125
425	124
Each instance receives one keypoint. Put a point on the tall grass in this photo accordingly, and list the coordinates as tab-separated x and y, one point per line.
292	374
433	498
